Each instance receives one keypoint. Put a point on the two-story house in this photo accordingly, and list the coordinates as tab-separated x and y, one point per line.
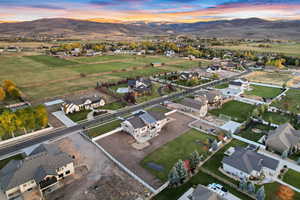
84	103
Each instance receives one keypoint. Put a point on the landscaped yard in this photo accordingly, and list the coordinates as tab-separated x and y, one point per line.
180	148
290	102
265	92
114	106
292	177
94	132
15	157
276	118
238	111
159	108
255	131
78	116
222	86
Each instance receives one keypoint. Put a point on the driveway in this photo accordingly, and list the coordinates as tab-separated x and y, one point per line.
60	115
119	145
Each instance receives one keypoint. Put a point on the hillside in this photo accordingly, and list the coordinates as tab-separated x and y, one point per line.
238	28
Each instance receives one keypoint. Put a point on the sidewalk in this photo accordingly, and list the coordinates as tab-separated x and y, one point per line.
60	115
265	84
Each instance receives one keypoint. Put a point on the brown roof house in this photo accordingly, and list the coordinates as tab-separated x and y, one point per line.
42	170
283	139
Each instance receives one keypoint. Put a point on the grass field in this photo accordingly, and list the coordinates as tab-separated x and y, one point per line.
37	74
94	132
183	145
292	177
222	86
238	111
276	118
290	102
290	49
78	116
265	92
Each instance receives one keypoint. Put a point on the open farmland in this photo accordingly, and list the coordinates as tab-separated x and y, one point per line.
290	49
40	73
274	78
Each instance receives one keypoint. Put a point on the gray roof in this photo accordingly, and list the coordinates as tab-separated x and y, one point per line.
147	118
283	138
82	100
136	122
44	160
142	119
157	115
203	193
237	83
192	103
247	160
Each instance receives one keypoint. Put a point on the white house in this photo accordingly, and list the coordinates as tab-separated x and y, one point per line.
169	53
42	169
239	84
87	103
213	69
145	125
244	163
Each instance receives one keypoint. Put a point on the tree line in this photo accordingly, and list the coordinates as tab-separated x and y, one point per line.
9	89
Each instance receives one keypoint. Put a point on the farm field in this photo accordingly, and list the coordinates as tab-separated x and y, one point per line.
230	109
274	78
183	145
291	49
290	102
37	74
264	92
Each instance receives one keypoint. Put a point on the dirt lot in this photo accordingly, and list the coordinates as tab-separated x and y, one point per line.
96	176
119	145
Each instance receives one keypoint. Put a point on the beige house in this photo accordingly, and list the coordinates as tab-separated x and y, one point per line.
199	106
214	97
42	170
85	103
145	125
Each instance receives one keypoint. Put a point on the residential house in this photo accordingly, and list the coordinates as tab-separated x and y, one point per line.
240	84
283	139
139	86
197	106
169	53
91	52
84	103
213	69
244	163
201	193
188	75
143	126
214	97
42	170
76	52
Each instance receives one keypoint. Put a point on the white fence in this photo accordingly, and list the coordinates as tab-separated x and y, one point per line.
107	134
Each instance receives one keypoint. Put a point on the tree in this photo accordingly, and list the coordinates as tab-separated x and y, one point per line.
173	177
2	94
194	160
260	194
181	170
251	188
285	193
215	145
7	84
298	161
41	115
8	122
243	184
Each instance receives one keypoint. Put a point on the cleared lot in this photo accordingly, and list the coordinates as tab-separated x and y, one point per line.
119	145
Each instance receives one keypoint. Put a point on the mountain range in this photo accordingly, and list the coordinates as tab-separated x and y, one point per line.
252	28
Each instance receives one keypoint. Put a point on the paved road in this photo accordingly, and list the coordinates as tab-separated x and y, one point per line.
18	145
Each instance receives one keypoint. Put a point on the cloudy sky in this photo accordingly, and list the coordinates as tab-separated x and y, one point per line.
149	10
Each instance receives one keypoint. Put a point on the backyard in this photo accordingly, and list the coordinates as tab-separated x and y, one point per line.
255	131
222	86
184	145
238	111
78	116
276	118
264	92
290	102
292	177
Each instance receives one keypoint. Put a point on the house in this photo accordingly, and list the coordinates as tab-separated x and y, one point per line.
284	138
139	86
84	103
198	106
213	68
214	97
42	170
156	64
169	53
91	52
244	163
76	52
143	126
201	193
240	84
188	75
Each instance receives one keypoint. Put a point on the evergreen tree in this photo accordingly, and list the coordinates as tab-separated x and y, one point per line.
260	194
215	145
284	155
181	170
194	160
243	184
251	188
173	177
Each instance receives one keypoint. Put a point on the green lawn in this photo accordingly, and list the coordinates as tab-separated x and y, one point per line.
222	86
179	148
271	190
154	94
238	111
159	108
290	102
253	136
94	132
276	118
78	116
15	157
51	61
200	178
292	177
265	92
215	162
114	105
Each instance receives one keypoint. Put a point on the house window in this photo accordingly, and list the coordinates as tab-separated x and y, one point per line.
61	175
68	172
